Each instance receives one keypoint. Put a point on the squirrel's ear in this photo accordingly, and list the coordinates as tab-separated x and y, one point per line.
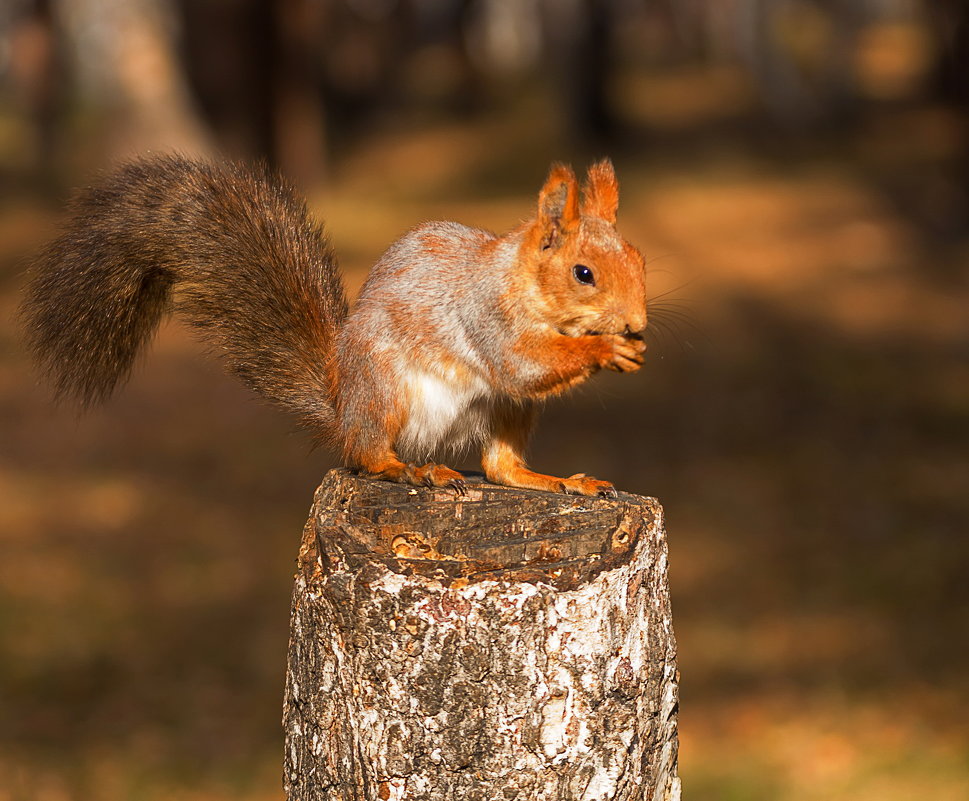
558	205
601	192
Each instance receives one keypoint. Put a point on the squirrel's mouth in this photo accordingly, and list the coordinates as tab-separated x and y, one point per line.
589	326
576	330
581	327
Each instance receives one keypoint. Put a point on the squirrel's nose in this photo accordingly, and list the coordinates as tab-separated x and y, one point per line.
635	324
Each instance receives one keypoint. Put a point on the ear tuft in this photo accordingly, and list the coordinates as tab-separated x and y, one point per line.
601	192
558	204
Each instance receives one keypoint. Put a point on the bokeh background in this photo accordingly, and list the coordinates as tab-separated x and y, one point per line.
797	172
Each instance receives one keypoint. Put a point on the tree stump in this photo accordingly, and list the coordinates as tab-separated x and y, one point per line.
504	644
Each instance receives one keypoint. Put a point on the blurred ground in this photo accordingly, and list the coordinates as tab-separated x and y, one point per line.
806	426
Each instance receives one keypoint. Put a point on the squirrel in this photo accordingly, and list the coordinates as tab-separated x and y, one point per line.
456	337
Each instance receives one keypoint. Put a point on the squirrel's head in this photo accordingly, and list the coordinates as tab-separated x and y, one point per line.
591	280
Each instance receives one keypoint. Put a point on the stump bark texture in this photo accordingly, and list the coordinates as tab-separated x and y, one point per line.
502	645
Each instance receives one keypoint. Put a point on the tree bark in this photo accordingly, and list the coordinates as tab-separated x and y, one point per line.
504	644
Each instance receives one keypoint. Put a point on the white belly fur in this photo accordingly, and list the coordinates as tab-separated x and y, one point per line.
442	415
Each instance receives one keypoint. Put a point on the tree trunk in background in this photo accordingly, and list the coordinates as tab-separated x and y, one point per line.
35	72
579	40
506	644
128	71
951	18
254	68
299	130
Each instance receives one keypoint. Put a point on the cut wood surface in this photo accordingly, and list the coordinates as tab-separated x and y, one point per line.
503	644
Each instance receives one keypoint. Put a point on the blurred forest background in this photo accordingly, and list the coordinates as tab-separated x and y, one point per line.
797	172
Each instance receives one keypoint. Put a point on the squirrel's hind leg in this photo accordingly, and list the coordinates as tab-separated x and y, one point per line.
504	462
390	468
370	446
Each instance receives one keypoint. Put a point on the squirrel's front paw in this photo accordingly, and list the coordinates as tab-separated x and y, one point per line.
624	354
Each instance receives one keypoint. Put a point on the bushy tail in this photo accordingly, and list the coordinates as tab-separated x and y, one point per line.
249	267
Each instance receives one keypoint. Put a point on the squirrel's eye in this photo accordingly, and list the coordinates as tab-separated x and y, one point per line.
583	275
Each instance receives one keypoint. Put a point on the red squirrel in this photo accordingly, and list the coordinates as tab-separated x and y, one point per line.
455	338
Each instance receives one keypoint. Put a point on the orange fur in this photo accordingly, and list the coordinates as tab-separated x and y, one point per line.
601	192
558	205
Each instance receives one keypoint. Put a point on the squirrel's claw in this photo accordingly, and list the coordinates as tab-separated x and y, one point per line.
437	475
